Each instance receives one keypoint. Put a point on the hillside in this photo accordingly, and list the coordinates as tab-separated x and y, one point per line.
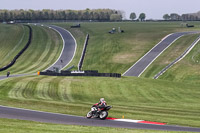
44	50
174	51
117	52
12	39
168	100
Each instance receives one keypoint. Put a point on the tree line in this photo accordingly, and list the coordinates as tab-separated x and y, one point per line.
183	17
47	14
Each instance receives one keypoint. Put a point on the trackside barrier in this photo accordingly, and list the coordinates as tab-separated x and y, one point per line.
177	59
83	53
21	52
82	73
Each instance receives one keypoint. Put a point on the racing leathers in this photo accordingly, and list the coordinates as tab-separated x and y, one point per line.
100	105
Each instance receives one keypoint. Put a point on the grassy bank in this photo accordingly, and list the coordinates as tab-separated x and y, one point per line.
135	98
169	55
13	38
187	70
43	51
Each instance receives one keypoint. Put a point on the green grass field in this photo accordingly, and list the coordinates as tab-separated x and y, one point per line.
12	39
169	99
43	51
117	52
136	98
174	51
187	70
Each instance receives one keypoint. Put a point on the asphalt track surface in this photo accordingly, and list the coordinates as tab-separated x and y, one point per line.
16	75
142	64
39	116
178	59
69	48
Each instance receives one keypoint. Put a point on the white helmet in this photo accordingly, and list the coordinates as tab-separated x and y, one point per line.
102	100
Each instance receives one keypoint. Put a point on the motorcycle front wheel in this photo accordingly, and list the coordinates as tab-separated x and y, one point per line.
89	115
103	115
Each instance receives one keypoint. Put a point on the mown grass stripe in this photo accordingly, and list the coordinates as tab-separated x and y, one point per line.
43	88
15	47
44	50
18	88
50	54
30	89
53	89
37	46
9	35
65	90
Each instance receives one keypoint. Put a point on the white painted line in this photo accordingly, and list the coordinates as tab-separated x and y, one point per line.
159	55
128	120
61	51
75	45
146	54
182	56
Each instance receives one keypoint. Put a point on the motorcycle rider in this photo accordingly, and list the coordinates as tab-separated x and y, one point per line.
101	104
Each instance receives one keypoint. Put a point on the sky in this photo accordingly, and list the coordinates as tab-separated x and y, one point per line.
154	9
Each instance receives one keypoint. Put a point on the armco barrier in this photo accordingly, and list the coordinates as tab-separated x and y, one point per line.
178	59
21	52
84	73
83	53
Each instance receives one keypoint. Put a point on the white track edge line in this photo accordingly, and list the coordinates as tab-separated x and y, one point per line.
159	55
196	41
146	53
61	51
75	45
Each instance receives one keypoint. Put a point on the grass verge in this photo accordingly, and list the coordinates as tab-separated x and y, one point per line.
13	38
43	51
136	98
21	126
173	52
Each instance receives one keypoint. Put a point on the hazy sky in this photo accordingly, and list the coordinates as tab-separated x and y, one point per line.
152	8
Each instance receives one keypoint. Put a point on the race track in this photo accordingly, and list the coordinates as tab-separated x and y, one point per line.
69	48
24	114
142	64
66	57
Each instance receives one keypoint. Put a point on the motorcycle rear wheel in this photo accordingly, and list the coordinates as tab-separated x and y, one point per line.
103	115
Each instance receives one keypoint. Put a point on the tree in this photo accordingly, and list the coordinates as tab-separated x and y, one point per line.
115	17
166	17
185	17
142	16
175	16
132	16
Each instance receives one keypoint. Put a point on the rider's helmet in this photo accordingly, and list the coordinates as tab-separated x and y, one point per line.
102	100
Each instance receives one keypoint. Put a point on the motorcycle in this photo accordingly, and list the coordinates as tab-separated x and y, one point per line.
102	114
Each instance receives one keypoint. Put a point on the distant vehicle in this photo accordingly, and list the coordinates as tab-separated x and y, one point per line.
187	25
76	26
11	22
